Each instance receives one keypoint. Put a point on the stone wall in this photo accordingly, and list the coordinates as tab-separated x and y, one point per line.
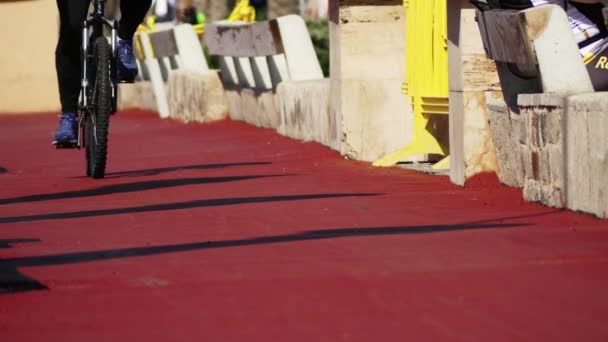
564	150
542	148
586	153
471	76
367	65
507	132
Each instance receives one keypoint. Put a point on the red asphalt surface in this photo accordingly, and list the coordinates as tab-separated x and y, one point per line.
226	232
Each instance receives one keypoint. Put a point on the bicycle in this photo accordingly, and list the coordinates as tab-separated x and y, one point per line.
99	88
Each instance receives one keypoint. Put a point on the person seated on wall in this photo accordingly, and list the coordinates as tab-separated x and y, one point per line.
588	26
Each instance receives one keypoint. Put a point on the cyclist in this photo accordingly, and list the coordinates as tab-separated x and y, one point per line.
72	13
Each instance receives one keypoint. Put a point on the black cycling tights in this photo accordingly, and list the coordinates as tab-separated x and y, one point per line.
67	55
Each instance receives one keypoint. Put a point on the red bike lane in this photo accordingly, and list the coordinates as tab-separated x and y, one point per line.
226	232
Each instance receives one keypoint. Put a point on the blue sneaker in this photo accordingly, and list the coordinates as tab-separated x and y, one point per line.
67	134
127	66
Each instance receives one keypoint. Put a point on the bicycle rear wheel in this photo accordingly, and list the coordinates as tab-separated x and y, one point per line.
98	121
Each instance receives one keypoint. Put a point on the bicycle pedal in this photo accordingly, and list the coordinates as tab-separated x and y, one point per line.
65	145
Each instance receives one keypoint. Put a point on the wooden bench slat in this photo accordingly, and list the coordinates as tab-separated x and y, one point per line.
505	38
539	36
244	40
164	43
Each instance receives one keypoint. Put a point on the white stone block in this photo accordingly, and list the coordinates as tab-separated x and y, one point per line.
254	107
471	74
374	117
542	148
305	114
196	96
136	95
505	128
587	153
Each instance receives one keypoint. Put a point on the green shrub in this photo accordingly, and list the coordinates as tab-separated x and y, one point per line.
319	33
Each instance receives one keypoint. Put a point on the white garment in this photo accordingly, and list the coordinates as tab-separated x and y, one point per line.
581	26
161	7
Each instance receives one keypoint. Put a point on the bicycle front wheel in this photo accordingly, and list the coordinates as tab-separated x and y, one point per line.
98	122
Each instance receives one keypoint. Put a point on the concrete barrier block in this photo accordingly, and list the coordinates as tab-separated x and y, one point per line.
471	75
506	129
478	152
154	69
543	148
190	51
196	96
235	104
269	117
556	164
532	191
136	95
254	107
374	118
587	153
526	162
298	48
258	108
249	107
305	113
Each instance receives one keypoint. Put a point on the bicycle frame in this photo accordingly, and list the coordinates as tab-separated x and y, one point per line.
93	28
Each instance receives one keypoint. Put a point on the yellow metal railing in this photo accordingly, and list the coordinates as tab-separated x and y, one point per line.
242	12
426	76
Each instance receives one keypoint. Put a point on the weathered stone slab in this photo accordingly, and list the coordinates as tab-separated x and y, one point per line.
471	74
136	95
255	107
478	148
506	128
542	148
587	153
374	117
305	113
235	104
539	36
196	96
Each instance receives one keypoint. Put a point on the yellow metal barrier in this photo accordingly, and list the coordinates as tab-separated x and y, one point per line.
242	12
426	76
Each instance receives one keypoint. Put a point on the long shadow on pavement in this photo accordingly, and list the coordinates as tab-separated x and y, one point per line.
9	267
129	187
161	170
175	206
11	280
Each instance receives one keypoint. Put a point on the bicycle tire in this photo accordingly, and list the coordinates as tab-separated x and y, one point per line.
97	125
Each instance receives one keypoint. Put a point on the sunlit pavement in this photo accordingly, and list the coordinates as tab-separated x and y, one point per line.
226	232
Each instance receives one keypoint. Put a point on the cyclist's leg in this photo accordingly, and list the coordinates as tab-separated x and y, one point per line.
67	54
132	14
67	62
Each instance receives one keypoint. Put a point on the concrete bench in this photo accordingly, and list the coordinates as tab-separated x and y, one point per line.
183	86
551	131
273	78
